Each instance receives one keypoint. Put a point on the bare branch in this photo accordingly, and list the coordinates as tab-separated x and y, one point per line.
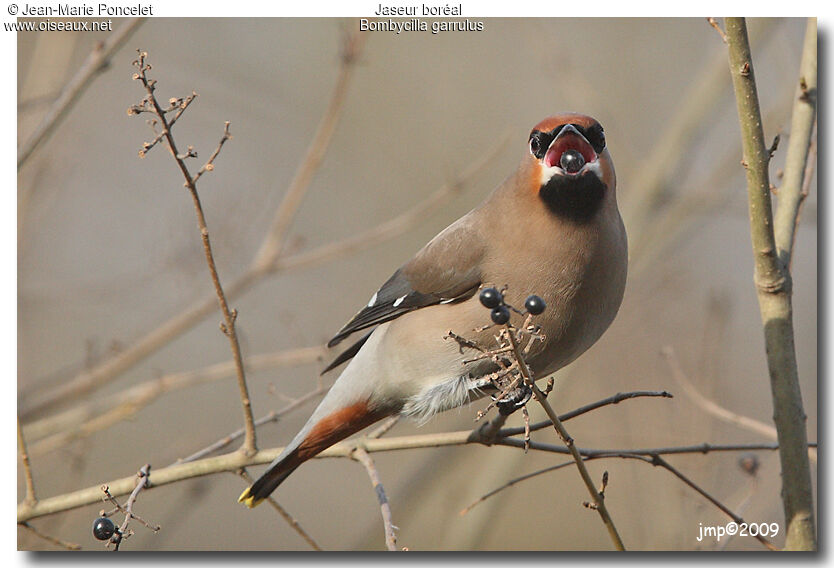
141	481
656	174
714	24
96	62
276	236
271	417
294	524
209	166
384	427
30	497
85	419
360	455
235	460
659	461
62	543
616	399
229	316
803	118
563	434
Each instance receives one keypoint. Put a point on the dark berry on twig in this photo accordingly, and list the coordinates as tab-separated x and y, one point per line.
103	528
491	298
534	305
500	315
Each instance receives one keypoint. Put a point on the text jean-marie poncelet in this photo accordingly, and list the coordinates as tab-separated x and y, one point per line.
88	10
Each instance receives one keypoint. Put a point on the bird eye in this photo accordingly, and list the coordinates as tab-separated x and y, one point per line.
535	145
539	141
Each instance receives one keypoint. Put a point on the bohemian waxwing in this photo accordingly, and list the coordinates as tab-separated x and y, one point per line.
551	229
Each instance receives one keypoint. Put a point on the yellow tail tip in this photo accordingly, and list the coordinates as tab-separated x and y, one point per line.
248	500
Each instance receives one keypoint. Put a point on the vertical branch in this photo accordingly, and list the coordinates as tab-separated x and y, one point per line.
802	126
773	284
229	315
599	500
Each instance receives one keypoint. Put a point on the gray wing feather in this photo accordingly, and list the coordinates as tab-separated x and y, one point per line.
447	269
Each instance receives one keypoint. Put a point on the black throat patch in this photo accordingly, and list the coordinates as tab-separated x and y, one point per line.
574	198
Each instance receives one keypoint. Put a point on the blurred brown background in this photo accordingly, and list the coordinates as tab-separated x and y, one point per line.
109	249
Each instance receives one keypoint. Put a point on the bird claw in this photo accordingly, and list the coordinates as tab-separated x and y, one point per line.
514	400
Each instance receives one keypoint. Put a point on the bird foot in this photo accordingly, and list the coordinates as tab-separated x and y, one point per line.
514	400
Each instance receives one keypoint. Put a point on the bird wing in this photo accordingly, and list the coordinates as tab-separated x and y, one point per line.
447	269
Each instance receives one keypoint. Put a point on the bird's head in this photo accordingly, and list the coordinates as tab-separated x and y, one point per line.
571	168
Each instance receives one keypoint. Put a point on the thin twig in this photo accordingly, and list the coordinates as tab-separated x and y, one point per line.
711	21
712	407
142	480
659	461
273	416
209	165
512	482
226	440
391	228
62	543
808	176
616	399
229	316
360	455
30	498
96	61
384	427
119	508
294	524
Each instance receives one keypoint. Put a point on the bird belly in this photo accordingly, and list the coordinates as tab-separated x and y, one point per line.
422	368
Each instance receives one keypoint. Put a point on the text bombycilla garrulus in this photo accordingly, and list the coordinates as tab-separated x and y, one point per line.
551	229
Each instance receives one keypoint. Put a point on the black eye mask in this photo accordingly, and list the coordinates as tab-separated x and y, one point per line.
540	141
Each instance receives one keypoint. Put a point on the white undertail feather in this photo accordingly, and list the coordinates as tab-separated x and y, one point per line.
437	398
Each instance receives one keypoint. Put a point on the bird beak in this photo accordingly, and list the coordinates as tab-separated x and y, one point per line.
569	138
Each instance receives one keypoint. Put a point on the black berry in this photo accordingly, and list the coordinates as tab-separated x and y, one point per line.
103	528
491	298
534	305
500	315
572	161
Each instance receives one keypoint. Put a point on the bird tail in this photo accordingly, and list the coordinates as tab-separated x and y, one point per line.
265	485
316	436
